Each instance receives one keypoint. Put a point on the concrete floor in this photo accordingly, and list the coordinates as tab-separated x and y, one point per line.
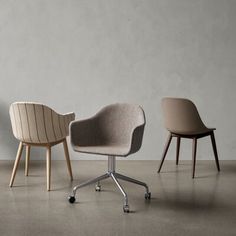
179	205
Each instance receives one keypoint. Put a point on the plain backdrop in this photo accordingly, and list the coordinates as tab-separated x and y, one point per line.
80	55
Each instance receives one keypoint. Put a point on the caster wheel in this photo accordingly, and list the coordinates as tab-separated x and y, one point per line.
71	199
98	188
147	195
126	208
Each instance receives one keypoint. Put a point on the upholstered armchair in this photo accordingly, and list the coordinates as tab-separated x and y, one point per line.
116	130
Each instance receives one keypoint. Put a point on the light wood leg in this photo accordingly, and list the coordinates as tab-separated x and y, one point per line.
18	156
27	158
48	163
67	159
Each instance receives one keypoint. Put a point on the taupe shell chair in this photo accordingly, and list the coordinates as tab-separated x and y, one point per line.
35	124
182	120
116	130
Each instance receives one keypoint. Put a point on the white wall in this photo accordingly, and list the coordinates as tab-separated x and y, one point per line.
81	55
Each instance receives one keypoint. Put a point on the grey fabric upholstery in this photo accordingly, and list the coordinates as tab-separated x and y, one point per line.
115	130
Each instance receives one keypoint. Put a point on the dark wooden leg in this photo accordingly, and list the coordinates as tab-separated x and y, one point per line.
165	151
48	165
177	150
194	155
213	141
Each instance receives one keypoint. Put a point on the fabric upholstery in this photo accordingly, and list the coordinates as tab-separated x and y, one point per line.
37	123
116	130
181	116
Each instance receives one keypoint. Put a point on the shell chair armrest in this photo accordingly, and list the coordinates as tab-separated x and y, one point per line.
82	132
64	121
69	116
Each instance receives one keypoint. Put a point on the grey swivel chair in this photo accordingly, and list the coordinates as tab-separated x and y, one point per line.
182	120
116	130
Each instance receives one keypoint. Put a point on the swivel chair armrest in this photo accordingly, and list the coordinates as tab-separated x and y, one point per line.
82	132
136	139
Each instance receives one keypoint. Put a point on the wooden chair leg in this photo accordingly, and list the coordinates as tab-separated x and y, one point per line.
67	159
177	150
194	155
165	151
18	156
213	141
48	164
27	158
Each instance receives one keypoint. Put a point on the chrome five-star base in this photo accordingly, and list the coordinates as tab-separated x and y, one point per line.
115	176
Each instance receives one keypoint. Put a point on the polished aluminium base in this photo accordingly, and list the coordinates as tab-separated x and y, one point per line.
115	176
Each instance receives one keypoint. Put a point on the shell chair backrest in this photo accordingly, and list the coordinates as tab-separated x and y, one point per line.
181	115
37	123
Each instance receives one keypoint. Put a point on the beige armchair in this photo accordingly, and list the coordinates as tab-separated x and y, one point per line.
182	120
117	130
34	124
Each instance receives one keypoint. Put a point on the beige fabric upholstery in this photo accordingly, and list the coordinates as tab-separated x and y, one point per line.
37	123
181	116
115	130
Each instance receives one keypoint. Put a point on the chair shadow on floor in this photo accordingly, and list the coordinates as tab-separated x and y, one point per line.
195	199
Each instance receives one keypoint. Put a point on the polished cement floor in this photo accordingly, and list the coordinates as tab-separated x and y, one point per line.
179	205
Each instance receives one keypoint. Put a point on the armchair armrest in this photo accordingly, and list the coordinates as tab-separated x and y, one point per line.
61	123
137	138
69	117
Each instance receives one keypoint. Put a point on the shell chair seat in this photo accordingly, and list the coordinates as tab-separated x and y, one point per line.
204	131
35	124
116	130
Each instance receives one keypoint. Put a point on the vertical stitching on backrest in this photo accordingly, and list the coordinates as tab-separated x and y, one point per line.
44	122
53	126
20	123
59	124
28	122
36	122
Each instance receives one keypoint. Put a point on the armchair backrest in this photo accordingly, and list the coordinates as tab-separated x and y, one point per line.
37	123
